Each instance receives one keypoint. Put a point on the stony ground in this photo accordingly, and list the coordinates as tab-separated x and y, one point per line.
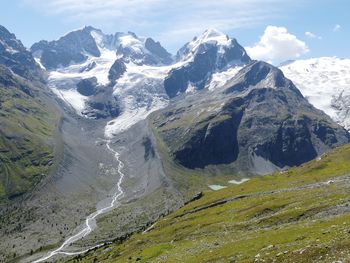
84	177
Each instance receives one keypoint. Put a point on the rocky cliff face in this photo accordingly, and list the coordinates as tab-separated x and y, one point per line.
257	123
155	48
71	48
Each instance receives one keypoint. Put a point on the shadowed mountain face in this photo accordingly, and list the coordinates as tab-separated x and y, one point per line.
258	122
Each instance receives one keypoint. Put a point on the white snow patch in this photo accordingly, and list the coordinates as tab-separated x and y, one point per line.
72	98
133	43
191	88
132	115
211	36
37	60
241	181
142	90
216	187
100	71
219	79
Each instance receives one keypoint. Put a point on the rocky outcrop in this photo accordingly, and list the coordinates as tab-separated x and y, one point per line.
71	48
87	87
157	50
117	70
102	105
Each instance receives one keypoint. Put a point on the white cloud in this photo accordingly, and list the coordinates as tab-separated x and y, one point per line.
336	28
312	35
276	45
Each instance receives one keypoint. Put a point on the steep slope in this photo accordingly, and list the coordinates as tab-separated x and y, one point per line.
211	52
258	122
27	126
325	82
16	57
27	118
301	215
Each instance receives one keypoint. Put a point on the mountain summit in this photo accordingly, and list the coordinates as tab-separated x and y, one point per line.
205	55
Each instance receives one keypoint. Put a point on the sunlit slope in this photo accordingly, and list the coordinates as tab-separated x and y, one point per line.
27	123
302	215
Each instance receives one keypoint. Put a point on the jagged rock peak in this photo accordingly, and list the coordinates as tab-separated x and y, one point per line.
16	57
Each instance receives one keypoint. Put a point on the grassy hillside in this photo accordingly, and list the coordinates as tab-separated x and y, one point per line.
27	124
302	215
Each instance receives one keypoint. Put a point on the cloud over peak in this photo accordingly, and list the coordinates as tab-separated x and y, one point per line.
276	45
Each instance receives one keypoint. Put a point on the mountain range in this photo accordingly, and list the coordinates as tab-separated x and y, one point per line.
117	127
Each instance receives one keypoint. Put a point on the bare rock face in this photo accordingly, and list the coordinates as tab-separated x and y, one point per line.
257	123
102	105
71	48
16	57
117	70
87	87
157	50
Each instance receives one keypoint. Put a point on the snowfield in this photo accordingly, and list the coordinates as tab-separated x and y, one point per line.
100	71
325	82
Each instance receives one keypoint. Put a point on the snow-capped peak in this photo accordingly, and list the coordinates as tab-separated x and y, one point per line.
210	37
132	42
215	35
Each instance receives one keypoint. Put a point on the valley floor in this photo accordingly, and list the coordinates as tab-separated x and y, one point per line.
83	180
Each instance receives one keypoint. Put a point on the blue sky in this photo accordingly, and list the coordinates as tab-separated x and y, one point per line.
274	30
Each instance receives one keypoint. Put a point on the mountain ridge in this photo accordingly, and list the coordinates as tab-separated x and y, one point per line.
266	122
